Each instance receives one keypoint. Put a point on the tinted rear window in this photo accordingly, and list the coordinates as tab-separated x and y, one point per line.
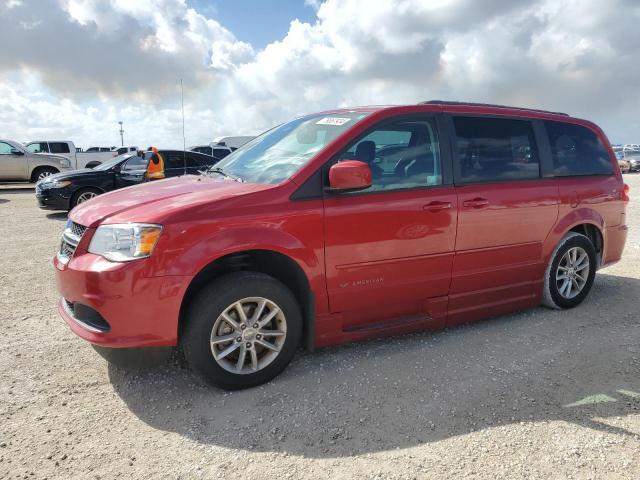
58	147
495	149
577	151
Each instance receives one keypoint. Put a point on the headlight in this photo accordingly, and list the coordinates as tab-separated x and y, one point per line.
125	242
55	183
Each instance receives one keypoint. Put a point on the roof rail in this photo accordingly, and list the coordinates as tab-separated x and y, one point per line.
471	104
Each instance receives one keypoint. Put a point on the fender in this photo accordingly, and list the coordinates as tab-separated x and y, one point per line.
225	241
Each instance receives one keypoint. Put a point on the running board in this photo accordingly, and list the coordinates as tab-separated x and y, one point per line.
389	324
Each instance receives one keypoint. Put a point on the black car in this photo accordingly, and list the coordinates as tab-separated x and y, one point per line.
63	191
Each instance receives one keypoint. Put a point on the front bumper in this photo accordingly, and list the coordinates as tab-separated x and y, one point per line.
140	311
53	199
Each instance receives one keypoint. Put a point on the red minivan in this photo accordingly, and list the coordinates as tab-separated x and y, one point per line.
345	225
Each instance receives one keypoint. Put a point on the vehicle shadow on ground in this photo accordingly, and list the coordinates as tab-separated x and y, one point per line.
62	216
580	367
3	200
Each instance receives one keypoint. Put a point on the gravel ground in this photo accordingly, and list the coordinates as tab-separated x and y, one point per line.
538	394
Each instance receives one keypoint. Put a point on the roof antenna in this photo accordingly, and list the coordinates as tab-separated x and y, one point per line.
184	140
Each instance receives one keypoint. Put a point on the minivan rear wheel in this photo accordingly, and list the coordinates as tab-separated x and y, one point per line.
570	273
241	330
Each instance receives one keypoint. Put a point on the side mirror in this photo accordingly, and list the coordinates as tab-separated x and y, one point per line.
349	176
116	169
15	151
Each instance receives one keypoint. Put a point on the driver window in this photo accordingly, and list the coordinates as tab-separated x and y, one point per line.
136	162
402	154
5	148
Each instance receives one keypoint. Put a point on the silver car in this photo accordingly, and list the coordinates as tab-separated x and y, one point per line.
16	163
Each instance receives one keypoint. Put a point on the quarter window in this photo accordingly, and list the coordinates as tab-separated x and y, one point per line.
495	149
577	151
402	154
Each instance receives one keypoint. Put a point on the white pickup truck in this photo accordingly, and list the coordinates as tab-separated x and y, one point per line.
78	159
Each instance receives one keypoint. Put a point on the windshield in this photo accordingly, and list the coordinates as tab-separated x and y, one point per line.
280	152
112	163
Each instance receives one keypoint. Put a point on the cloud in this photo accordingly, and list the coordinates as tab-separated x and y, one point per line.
105	60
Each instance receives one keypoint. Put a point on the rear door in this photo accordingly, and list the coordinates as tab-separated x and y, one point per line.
506	210
584	172
389	249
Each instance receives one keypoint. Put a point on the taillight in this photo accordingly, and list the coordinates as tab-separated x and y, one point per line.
625	193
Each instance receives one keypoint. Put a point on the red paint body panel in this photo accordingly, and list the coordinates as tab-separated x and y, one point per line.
376	263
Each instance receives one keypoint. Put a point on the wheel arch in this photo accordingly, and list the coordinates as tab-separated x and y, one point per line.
277	264
585	221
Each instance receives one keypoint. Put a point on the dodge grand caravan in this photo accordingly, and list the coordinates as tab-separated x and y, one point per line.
345	225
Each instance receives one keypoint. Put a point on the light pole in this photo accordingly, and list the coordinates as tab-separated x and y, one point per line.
121	134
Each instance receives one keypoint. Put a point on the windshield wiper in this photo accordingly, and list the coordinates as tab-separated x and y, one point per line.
219	171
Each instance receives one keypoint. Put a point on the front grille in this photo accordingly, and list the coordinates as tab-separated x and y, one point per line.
77	229
70	238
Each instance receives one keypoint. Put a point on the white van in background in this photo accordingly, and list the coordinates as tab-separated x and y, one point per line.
66	148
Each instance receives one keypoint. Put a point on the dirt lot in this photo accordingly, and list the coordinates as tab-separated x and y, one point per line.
539	394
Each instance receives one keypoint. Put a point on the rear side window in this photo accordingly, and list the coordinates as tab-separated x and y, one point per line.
495	149
59	147
577	151
198	160
219	153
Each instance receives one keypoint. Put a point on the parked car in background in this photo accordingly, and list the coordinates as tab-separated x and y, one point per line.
122	150
66	190
87	159
212	150
625	165
308	236
232	142
98	149
17	163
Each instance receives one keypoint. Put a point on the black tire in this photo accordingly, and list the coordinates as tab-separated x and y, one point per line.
214	299
552	297
42	171
77	196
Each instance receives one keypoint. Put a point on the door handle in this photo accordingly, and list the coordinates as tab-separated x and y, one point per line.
476	203
437	206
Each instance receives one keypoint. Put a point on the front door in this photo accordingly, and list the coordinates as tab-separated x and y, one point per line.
12	166
132	172
389	249
506	210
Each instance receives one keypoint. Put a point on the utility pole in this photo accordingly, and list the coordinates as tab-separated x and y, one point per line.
121	134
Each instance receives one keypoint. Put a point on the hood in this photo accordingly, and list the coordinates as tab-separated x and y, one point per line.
69	175
150	202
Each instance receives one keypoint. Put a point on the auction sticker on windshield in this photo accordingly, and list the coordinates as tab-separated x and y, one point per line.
333	121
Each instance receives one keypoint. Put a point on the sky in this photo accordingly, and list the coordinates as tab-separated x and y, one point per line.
71	69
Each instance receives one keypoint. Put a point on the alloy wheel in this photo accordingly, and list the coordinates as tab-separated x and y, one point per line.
572	272
85	196
248	335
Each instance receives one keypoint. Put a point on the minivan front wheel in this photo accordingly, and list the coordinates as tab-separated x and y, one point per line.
242	330
570	273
